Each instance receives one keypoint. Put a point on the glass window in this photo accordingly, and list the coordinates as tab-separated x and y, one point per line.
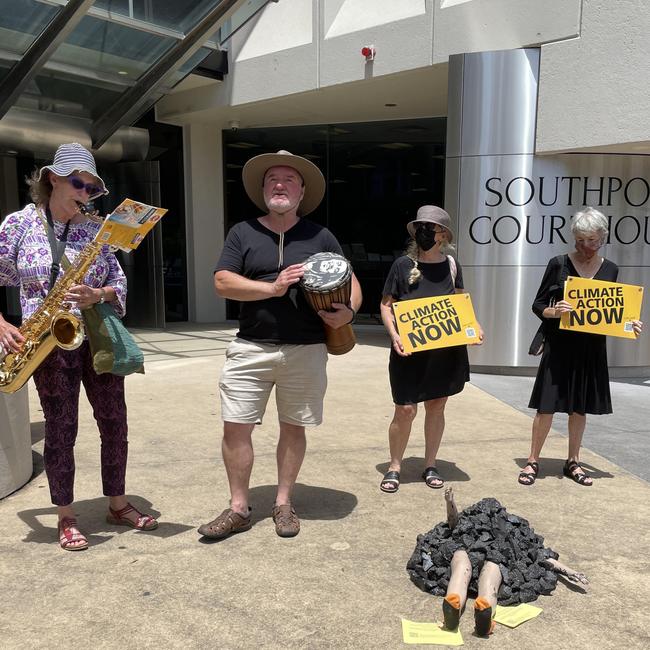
21	21
180	15
378	174
112	48
68	96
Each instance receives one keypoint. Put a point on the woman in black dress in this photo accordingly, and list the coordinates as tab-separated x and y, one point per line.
572	377
432	375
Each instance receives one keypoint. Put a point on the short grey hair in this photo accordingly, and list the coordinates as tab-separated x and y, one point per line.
590	220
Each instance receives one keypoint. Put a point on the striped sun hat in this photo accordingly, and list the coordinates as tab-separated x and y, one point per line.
73	157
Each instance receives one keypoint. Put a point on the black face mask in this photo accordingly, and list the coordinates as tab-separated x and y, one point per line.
425	238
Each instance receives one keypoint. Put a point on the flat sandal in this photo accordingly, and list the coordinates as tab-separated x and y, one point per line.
574	471
528	478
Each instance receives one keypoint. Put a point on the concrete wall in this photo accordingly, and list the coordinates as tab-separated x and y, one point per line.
205	221
484	25
294	46
594	90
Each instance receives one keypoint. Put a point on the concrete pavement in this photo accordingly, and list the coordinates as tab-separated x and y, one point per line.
342	582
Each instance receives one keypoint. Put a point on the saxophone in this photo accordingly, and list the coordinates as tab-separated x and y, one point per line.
51	325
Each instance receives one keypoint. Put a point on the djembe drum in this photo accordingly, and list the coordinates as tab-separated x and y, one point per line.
328	279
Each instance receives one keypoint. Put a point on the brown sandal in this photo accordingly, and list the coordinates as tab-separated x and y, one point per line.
118	518
68	538
227	523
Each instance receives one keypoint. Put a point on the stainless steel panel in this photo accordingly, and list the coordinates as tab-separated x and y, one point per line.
502	299
452	187
455	104
39	133
514	211
517	210
499	102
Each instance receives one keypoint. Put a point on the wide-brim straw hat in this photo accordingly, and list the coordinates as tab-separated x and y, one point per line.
431	214
313	179
70	158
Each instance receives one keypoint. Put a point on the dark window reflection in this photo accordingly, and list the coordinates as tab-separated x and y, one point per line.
377	174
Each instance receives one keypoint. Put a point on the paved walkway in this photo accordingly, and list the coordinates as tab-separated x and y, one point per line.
342	582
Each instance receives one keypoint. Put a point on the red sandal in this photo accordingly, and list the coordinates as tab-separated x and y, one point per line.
70	539
118	518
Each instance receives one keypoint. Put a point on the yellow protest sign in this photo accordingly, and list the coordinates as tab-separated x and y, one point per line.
429	633
514	616
436	322
601	307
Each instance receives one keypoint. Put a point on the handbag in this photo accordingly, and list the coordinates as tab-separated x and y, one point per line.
112	347
537	344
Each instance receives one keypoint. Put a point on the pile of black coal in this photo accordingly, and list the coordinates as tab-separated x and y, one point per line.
488	533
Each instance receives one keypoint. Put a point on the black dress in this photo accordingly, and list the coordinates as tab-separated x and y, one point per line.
572	376
487	532
430	374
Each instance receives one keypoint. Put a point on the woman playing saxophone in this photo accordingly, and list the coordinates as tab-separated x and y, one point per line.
59	191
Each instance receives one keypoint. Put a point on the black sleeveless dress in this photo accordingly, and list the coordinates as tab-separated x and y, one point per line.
430	374
572	376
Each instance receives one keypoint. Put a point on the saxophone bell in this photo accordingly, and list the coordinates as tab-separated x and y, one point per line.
67	330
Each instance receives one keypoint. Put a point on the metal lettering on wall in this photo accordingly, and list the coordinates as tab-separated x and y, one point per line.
516	210
515	214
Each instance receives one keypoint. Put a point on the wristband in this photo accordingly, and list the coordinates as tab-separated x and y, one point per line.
102	297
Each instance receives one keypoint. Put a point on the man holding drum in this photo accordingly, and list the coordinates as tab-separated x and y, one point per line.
281	339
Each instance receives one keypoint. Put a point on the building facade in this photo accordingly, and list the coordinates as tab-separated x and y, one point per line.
517	112
512	114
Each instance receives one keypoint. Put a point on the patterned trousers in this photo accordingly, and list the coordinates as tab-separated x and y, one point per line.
58	380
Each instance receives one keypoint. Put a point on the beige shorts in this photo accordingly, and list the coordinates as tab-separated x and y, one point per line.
298	373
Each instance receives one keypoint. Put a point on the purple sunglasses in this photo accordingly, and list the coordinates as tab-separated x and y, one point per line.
93	190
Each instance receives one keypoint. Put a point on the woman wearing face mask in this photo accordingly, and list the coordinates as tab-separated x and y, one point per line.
429	376
572	376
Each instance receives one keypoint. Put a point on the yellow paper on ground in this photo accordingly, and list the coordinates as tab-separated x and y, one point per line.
514	616
432	633
601	307
436	322
128	224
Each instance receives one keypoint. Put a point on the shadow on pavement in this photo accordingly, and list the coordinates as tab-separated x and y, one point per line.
91	514
311	502
37	431
413	467
552	467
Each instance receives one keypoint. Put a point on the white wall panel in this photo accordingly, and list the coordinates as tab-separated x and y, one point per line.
356	15
280	26
594	90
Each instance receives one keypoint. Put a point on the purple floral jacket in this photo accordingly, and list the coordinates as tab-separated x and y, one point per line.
26	259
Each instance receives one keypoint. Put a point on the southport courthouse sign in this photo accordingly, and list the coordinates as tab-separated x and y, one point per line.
522	208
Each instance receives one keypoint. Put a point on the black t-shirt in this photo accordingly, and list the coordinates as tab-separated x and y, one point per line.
254	251
435	281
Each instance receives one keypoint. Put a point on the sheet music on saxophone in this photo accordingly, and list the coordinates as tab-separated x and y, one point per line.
128	224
